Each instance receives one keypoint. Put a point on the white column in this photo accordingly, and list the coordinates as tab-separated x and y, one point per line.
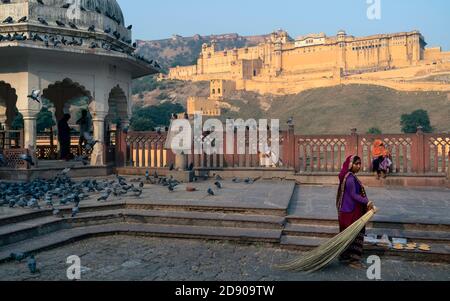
29	128
98	155
30	132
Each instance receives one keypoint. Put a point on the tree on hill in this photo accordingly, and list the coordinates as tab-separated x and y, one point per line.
374	131
410	122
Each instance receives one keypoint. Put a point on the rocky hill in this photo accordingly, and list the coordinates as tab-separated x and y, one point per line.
183	51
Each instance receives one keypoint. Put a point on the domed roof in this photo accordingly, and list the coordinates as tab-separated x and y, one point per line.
108	7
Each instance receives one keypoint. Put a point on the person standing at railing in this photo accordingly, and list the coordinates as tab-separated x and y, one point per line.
381	159
64	137
85	130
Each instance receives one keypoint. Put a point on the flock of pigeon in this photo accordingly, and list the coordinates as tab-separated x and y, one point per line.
56	41
62	192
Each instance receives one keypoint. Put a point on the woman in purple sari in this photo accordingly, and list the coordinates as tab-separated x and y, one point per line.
352	204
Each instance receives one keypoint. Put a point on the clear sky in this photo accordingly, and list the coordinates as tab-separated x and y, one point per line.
159	19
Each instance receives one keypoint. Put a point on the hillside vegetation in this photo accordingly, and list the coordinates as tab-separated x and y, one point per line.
332	110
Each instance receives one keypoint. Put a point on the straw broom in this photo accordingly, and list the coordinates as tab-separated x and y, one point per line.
323	255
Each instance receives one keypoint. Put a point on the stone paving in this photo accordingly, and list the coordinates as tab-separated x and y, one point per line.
406	205
140	258
259	195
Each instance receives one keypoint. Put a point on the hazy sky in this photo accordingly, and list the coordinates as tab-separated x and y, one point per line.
159	19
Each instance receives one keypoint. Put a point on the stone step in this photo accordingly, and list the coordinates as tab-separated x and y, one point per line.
331	231
20	231
148	205
440	252
66	236
384	224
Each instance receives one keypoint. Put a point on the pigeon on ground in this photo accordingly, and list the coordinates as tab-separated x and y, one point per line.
27	158
18	256
32	266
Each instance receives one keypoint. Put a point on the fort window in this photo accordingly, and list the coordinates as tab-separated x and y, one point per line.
218	91
213	91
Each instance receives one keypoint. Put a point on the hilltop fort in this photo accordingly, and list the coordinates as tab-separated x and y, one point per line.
281	65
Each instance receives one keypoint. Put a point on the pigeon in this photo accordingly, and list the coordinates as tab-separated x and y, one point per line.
40	2
104	196
75	211
219	178
23	19
90	142
66	6
32	265
57	213
290	121
59	23
42	21
65	171
218	185
27	158
137	192
107	30
18	256
91	28
83	159
130	27
72	25
2	160
8	20
35	95
210	191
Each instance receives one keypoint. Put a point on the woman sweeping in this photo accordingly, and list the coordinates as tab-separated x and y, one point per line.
352	204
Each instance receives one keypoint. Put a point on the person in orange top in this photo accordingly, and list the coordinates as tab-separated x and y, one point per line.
381	162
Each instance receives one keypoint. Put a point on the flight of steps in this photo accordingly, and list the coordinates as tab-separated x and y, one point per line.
39	231
305	234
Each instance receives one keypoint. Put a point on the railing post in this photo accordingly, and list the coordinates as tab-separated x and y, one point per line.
352	144
121	147
289	147
448	169
420	151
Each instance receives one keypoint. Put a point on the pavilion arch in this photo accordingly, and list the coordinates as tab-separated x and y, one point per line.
118	106
8	101
62	94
